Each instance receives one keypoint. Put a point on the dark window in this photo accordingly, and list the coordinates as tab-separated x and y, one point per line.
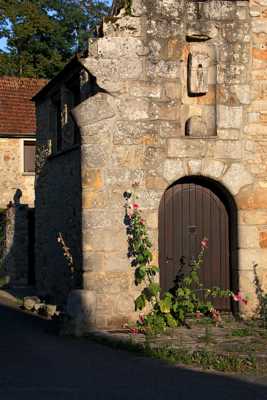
29	156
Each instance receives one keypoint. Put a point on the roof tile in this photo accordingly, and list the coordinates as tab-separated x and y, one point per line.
17	111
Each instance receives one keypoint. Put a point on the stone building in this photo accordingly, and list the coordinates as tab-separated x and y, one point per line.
17	165
17	137
170	102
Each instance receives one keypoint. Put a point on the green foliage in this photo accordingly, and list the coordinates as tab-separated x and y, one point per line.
261	296
186	298
42	35
241	332
139	252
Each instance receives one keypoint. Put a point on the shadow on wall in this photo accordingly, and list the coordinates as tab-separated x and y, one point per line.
58	249
17	243
58	185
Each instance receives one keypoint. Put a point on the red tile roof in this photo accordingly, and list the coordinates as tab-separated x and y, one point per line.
17	111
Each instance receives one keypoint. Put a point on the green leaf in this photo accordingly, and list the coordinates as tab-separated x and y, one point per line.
165	304
140	302
140	273
154	288
171	321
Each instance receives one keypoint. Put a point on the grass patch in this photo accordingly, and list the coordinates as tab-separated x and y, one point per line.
241	332
204	359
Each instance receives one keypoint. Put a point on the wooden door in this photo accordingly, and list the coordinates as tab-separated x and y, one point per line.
188	213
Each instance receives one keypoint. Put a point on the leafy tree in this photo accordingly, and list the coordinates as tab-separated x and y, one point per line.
42	35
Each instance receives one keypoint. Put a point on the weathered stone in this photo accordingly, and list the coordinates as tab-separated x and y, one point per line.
194	167
248	237
252	197
253	217
92	110
185	148
81	308
93	179
173	170
237	177
213	168
229	117
29	302
263	240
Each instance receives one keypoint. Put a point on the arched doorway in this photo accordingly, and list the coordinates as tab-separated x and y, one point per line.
191	209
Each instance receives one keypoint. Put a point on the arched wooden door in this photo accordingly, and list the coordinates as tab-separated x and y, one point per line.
188	213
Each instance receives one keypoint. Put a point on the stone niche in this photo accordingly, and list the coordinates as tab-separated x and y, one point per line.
199	91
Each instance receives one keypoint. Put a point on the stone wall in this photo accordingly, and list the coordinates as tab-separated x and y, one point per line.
58	209
142	132
12	177
16	249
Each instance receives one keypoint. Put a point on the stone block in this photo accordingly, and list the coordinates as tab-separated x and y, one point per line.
92	178
213	168
186	148
102	240
119	47
252	197
248	237
133	109
117	261
164	111
229	117
163	69
173	170
81	308
93	261
249	257
263	239
253	217
144	89
95	156
194	167
236	177
122	27
130	157
225	149
92	110
92	199
155	182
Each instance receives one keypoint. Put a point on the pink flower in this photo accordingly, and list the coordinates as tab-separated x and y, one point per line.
239	297
134	331
141	319
135	206
142	222
204	243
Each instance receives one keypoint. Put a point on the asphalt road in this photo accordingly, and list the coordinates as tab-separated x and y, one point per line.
36	364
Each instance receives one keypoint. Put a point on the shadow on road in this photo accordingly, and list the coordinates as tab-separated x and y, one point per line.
36	364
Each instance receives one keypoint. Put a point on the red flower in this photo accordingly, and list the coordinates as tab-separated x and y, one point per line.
134	331
204	243
141	319
135	206
239	297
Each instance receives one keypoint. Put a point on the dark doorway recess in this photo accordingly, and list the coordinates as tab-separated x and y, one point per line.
191	209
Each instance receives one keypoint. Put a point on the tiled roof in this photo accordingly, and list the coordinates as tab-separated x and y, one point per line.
17	111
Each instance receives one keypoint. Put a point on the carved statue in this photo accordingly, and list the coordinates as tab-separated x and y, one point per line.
198	69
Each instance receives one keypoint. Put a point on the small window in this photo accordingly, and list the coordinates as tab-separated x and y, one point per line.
29	156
